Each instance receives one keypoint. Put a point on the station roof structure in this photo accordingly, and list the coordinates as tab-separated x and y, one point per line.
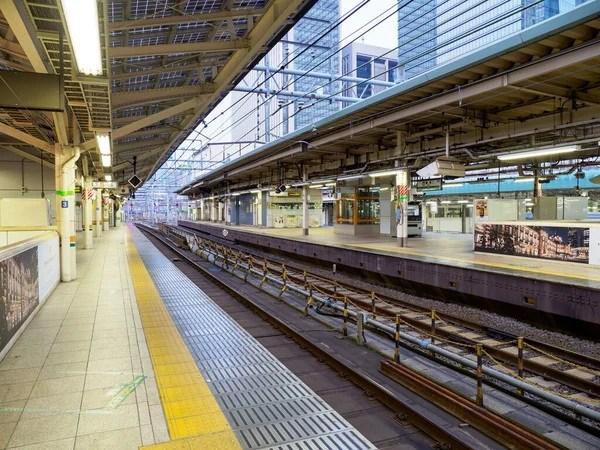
539	87
166	65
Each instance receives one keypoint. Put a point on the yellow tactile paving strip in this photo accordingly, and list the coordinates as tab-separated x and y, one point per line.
194	418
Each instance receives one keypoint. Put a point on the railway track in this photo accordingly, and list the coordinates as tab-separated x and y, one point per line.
508	434
549	367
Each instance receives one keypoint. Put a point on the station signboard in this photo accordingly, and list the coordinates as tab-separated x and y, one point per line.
104	184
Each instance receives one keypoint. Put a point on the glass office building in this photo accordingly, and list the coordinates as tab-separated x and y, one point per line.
416	37
434	32
320	18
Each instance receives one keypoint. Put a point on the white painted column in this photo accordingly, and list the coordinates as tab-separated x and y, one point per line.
104	216
227	210
65	207
86	199
305	223
402	184
98	205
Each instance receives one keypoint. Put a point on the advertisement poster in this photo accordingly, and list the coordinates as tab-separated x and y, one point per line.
548	242
481	210
49	267
19	292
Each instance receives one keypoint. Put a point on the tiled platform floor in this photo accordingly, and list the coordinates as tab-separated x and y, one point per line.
76	357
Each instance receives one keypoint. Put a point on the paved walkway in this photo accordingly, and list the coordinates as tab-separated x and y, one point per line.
75	377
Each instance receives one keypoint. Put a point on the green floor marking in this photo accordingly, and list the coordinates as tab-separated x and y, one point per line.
125	392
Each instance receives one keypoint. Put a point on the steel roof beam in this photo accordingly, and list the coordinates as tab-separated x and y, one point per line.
181	19
173	49
274	17
161	70
558	92
124	99
154	118
139	145
27	138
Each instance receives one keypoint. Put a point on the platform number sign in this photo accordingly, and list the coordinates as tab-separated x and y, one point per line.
64	204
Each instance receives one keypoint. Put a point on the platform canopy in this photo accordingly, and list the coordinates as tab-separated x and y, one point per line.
166	65
536	88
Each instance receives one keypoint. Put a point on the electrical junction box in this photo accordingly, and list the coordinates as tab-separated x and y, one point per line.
443	167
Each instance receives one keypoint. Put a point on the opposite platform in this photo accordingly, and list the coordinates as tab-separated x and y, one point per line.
441	266
258	400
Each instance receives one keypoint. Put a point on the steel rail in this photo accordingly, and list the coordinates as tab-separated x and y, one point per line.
413	413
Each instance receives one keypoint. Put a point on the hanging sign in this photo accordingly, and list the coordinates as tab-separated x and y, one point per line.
104	184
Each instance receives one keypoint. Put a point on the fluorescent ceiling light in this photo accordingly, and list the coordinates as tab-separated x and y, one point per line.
539	152
256	191
329	184
315	186
463	201
445	202
106	161
383	189
432	203
103	143
350	177
108	177
236	194
453	184
524	180
84	29
384	174
469	206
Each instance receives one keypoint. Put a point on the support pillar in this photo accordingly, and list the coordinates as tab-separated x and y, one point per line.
305	223
104	216
305	196
402	184
98	228
237	209
86	199
228	210
65	160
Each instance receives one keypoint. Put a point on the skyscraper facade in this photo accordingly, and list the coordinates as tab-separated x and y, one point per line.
316	22
416	37
434	32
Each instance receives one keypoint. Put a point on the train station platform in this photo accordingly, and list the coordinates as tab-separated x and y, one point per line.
437	264
134	355
444	248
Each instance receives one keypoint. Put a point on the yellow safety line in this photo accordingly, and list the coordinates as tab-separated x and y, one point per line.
194	417
474	263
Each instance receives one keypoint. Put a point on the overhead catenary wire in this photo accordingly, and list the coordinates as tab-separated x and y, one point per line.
370	27
335	25
464	104
457	38
462	36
